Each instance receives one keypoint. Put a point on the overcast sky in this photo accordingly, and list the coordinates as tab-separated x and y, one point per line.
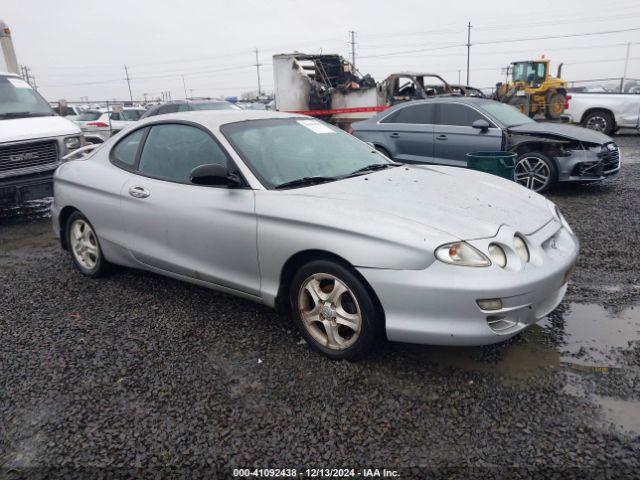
78	48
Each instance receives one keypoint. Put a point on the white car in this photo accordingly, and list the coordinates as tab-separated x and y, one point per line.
98	125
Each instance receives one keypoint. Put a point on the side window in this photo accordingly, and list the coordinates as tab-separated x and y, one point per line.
420	114
126	149
172	151
458	115
114	116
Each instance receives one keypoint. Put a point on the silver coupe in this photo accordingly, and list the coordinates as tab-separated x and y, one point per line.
301	216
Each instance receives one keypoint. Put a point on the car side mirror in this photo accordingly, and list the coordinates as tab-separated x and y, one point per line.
481	124
214	175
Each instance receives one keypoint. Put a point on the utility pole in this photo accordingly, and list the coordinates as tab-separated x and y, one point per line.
459	71
353	47
126	71
468	49
184	85
258	64
626	65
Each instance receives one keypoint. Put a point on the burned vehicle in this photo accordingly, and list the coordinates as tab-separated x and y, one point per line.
404	87
331	88
444	129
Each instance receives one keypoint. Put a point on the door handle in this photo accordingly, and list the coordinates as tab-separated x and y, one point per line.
441	137
139	192
394	135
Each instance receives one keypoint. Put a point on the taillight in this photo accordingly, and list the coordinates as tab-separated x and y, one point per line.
566	102
97	124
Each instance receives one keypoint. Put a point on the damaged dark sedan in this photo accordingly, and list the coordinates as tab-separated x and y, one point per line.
443	130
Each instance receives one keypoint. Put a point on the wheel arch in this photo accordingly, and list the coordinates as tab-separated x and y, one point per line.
65	213
297	260
591	110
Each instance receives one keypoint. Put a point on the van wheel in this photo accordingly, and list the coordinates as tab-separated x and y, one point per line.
84	246
536	172
334	311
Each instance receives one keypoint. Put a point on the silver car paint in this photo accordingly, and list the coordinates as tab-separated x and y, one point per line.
387	224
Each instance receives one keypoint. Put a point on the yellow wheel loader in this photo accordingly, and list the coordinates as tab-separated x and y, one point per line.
533	90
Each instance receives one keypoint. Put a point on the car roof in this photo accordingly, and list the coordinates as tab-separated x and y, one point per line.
214	119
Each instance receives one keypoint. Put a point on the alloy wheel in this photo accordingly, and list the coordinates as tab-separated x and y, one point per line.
83	244
533	173
329	311
597	123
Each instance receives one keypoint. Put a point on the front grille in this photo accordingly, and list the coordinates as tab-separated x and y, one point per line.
610	158
26	155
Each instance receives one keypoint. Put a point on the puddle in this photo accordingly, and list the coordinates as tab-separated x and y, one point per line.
623	414
592	336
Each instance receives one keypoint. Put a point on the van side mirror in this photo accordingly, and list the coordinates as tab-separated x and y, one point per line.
214	175
481	124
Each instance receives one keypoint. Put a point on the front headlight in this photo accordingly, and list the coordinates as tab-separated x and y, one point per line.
72	143
463	254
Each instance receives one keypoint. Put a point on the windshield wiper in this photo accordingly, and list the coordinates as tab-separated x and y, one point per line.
373	167
25	114
299	182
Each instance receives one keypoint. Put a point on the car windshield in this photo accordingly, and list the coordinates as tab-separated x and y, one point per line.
284	150
19	100
214	106
89	116
507	115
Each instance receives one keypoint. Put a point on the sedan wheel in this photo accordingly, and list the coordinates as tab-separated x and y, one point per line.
329	311
534	172
84	246
335	311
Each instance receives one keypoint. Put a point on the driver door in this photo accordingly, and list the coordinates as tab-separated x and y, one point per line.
206	233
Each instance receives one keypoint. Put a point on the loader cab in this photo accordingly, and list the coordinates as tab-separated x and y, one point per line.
532	73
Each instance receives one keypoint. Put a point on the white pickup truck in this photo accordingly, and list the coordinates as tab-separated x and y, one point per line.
604	112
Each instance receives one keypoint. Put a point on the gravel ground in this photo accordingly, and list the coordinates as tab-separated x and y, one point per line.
139	375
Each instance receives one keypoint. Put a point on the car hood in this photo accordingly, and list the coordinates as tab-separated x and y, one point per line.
463	203
563	130
18	129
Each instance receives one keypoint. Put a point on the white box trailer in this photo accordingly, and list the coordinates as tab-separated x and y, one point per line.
326	86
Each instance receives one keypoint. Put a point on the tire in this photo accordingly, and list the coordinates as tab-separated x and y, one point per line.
600	121
521	104
530	170
84	246
323	318
555	106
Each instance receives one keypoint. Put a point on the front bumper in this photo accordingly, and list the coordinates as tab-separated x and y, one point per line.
20	189
589	165
438	305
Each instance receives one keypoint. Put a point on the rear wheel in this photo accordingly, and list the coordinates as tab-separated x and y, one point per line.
84	246
555	106
334	311
535	171
600	121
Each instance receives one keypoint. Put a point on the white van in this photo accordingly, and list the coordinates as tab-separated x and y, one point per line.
33	140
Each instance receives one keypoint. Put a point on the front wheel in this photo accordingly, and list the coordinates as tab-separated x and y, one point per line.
555	106
84	246
334	310
535	171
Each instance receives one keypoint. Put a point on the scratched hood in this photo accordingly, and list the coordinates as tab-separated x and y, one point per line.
463	203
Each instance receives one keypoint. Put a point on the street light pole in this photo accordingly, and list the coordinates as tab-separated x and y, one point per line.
468	49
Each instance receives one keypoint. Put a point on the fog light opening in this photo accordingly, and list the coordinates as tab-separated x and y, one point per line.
490	304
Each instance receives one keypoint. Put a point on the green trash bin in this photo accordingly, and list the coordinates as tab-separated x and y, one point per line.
501	164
